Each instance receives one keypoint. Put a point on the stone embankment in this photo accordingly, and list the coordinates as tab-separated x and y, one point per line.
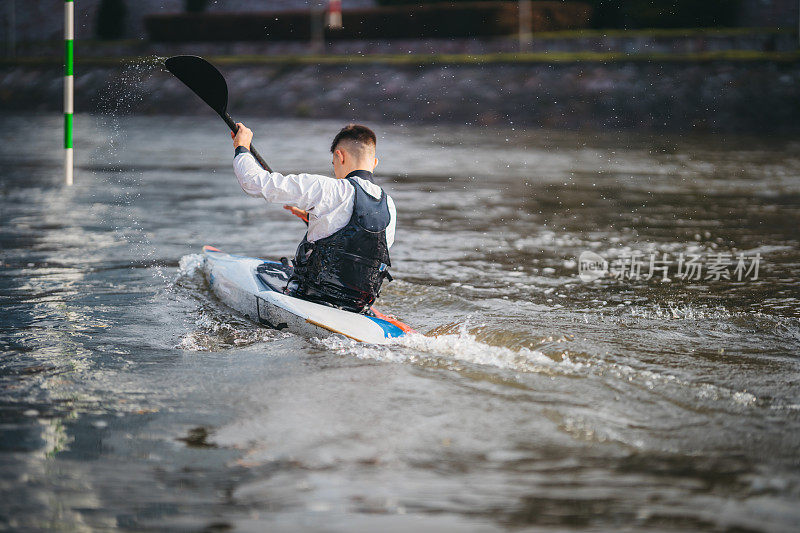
719	88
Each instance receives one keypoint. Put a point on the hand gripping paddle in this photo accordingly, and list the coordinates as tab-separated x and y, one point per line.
207	83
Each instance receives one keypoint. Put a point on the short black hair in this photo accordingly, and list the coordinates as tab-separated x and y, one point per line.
354	132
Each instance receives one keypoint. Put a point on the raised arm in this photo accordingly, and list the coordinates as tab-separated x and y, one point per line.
304	191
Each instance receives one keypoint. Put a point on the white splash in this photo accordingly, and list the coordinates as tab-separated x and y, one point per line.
189	265
450	350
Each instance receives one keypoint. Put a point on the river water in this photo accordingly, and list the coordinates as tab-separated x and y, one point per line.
131	398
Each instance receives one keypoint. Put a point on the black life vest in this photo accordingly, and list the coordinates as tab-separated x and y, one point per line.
346	269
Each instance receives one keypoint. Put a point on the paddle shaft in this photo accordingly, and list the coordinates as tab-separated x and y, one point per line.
234	128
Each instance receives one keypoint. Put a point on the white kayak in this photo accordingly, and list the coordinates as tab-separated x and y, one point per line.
254	287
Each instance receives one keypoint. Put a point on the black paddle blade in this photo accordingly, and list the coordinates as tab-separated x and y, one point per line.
202	78
207	83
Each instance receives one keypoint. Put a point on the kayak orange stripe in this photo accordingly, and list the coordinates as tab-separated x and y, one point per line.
404	327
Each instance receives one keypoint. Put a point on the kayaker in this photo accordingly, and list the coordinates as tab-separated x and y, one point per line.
344	256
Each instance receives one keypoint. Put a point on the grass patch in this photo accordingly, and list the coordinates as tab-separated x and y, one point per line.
433	59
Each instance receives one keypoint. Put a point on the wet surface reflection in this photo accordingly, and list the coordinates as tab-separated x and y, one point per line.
131	398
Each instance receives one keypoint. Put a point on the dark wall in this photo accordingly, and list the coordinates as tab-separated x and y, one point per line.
769	13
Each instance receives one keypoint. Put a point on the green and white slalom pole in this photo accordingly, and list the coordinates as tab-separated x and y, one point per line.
69	36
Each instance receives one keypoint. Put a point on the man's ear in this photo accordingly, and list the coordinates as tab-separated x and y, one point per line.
340	155
374	166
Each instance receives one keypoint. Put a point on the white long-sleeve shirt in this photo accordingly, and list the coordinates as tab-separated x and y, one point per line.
328	201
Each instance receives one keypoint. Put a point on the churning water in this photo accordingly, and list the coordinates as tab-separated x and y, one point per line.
130	397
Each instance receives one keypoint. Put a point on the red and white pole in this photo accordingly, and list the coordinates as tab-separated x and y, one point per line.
335	14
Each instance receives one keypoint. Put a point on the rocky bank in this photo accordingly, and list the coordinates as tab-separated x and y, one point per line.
720	96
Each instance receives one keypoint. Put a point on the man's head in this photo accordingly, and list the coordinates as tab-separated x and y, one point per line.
353	148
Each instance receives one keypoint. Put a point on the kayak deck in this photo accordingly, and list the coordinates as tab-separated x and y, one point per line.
254	287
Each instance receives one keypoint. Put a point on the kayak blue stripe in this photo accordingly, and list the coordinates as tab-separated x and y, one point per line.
390	331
